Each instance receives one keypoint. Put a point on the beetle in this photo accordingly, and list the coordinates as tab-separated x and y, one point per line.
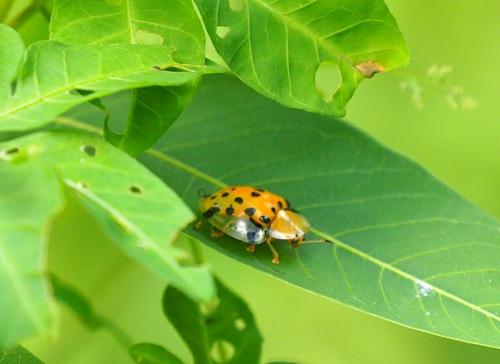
254	216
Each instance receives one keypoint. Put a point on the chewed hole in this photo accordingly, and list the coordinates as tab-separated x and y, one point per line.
327	80
240	324
222	351
236	5
222	31
89	150
136	189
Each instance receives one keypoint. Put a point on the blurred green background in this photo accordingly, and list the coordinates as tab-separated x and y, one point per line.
462	147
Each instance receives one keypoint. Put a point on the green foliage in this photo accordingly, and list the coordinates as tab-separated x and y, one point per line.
153	110
278	48
119	192
81	307
171	23
402	241
18	355
227	333
402	246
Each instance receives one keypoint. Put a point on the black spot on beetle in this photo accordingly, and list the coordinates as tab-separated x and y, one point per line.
250	211
255	194
230	210
273	209
234	188
280	204
238	200
225	194
260	189
211	212
265	219
213	197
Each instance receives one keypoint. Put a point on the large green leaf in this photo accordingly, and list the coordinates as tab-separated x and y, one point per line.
134	207
227	333
405	247
18	355
170	23
305	54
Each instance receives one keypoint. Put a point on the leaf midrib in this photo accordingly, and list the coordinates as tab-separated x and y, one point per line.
380	263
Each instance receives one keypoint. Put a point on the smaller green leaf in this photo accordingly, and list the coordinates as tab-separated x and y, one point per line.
18	355
153	110
228	333
285	50
53	76
139	213
81	307
147	353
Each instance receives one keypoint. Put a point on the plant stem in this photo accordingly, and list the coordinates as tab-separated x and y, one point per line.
28	12
5	6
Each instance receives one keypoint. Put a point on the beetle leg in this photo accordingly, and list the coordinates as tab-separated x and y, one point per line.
251	248
217	233
276	256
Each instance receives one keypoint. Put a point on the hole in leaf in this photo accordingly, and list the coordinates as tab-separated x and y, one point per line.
327	80
240	324
236	5
222	349
136	189
89	150
222	31
148	38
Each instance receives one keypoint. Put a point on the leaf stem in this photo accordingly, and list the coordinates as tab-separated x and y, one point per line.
28	12
5	6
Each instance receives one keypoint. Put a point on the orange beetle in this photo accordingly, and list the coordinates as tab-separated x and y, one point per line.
254	216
